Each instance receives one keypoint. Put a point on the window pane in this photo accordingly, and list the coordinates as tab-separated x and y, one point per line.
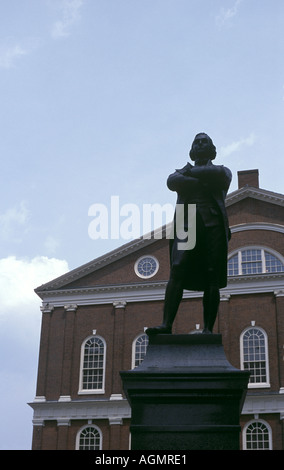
254	355
233	266
89	439
272	264
140	349
257	437
254	261
93	364
251	262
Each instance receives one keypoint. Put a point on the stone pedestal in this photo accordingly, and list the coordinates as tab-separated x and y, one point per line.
185	395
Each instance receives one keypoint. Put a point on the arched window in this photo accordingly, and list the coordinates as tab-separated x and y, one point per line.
257	435
89	438
255	260
254	356
92	374
139	349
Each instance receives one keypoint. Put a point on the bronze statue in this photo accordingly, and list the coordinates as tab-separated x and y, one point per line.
203	268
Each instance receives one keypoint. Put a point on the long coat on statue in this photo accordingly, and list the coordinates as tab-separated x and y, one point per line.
207	187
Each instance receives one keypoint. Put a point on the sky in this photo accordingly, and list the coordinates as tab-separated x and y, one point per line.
102	99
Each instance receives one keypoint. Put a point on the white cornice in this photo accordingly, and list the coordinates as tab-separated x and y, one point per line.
260	403
80	409
114	410
153	291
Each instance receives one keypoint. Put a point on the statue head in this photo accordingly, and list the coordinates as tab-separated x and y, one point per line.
202	148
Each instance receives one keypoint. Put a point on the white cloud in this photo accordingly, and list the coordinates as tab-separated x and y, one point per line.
9	55
70	15
18	279
235	146
225	15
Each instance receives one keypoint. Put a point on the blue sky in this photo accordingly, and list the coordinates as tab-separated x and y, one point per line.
102	98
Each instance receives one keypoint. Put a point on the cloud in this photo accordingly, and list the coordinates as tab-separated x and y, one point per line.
70	15
12	49
9	55
225	15
13	219
20	276
235	146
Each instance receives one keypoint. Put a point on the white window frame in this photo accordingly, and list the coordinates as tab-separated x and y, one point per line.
134	344
77	445
256	384
254	247
83	391
256	421
150	275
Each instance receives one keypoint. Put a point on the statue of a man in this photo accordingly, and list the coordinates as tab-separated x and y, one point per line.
203	268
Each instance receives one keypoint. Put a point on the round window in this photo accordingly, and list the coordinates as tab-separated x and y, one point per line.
146	266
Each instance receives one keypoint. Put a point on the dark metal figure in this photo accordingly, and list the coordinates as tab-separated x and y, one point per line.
203	268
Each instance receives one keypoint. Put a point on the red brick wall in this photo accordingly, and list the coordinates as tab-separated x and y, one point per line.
265	238
250	210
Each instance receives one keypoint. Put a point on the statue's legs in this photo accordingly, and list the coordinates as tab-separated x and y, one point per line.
211	245
214	245
211	300
173	296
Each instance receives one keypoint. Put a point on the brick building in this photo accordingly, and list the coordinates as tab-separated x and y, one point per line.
94	317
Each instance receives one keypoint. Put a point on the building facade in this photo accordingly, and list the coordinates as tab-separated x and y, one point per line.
94	318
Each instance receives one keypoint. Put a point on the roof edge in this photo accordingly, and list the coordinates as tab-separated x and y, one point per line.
255	193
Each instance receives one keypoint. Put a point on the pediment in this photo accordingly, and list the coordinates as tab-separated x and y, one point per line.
117	264
254	193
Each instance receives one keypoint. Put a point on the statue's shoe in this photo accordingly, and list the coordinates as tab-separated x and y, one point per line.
158	330
206	331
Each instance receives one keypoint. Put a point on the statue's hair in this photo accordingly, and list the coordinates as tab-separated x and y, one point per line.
213	152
